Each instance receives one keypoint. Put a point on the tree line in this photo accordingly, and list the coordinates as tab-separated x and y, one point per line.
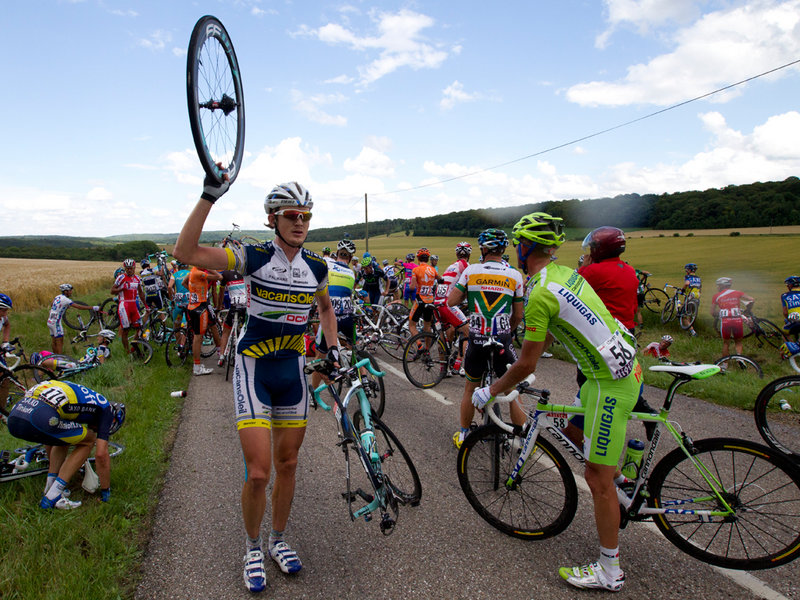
70	250
752	205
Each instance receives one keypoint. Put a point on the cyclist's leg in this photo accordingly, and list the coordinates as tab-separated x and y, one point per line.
474	365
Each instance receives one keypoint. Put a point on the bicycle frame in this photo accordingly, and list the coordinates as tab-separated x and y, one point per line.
364	445
553	417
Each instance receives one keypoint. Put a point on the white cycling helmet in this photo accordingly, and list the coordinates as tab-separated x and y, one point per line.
667	339
288	195
65	287
725	281
107	333
346	245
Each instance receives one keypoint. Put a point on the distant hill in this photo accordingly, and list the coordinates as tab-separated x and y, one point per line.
170	238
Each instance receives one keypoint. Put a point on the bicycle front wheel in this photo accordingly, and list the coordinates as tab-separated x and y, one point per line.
770	333
668	312
777	415
539	503
110	313
425	359
689	314
655	299
761	487
177	348
398	470
736	363
16	383
141	351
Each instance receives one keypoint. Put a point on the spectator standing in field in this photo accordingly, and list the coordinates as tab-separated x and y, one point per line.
725	306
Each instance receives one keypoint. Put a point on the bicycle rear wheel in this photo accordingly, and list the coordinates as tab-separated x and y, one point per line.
74	319
425	359
398	469
777	415
668	312
655	299
736	363
689	314
761	487
110	313
770	333
541	501
16	383
175	352
141	351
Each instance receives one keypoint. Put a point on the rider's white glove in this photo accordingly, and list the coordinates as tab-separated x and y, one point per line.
96	308
481	397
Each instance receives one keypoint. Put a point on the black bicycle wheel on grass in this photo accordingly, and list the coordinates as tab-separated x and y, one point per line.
655	299
762	488
110	314
540	502
141	351
689	314
175	352
668	312
777	415
771	333
215	99
736	363
80	320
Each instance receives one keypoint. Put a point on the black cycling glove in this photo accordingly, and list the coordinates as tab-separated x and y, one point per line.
212	189
333	355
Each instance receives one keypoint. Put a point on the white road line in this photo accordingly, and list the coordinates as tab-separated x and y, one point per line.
741	578
435	395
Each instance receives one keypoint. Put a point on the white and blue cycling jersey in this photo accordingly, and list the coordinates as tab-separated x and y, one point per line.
60	305
281	293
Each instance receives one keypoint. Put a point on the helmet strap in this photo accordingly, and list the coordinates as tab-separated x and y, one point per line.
523	258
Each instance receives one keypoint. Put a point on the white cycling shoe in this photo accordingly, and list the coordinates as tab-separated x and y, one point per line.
592	577
201	370
255	577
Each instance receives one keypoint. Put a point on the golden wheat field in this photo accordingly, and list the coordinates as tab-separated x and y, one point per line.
32	283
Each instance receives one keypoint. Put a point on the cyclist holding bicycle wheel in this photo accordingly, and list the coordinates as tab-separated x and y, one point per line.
561	302
60	414
494	294
270	389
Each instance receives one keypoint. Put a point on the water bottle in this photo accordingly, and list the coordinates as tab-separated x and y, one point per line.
178	394
784	404
633	459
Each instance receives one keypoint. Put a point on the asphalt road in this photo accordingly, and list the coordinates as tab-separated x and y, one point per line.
440	549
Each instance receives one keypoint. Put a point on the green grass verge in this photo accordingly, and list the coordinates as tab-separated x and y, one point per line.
97	548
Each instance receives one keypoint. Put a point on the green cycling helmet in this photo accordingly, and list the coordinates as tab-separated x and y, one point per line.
539	228
366	261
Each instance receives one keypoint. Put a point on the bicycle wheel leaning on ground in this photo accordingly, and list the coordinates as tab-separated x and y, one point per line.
737	363
110	313
760	485
668	312
141	351
777	415
689	314
655	299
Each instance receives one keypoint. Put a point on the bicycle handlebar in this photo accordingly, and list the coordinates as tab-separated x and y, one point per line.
322	365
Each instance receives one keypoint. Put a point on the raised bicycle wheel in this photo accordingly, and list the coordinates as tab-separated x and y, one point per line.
176	352
668	312
396	464
110	313
655	299
689	314
215	99
737	363
425	359
541	501
762	488
80	320
141	351
770	333
777	415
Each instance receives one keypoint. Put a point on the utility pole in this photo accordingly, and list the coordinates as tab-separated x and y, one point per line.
366	223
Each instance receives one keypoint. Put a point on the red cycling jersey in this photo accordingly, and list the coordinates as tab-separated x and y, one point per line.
130	287
616	283
728	302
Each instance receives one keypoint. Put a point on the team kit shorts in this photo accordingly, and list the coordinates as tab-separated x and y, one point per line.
476	357
36	421
731	329
270	392
129	315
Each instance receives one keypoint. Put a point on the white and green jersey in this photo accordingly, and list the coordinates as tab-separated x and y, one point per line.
562	302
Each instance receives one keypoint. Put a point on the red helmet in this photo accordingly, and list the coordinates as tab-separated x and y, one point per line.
604	242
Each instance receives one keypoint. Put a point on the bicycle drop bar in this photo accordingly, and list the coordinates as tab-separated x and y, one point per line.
364	362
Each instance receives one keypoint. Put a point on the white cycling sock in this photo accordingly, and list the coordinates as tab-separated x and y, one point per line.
56	489
254	542
609	560
51	478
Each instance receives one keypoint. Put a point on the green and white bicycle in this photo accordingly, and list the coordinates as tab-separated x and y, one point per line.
727	502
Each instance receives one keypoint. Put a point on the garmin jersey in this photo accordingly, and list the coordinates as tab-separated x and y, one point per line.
281	293
491	290
341	281
60	305
77	403
561	301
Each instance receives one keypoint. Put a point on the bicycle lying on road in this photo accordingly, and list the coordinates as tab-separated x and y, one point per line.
727	502
392	478
385	325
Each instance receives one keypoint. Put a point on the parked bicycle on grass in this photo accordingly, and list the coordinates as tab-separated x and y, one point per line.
681	305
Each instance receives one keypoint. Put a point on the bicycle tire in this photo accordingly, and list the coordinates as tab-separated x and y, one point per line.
425	360
763	488
399	311
231	351
688	314
780	397
396	465
141	351
215	99
737	363
655	299
20	380
668	312
110	313
209	348
544	498
394	344
175	353
74	320
373	387
770	333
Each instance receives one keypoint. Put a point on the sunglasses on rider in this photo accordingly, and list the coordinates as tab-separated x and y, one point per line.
293	214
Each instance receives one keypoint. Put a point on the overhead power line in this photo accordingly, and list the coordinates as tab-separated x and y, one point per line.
586	137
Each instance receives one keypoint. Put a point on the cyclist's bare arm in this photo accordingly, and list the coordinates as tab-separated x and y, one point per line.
188	249
455	297
525	365
516	315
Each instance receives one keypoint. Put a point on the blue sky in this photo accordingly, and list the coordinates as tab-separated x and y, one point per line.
379	98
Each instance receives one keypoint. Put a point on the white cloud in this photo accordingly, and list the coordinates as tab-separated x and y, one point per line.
157	41
184	167
454	93
370	162
288	161
398	41
99	193
646	14
721	48
124	13
311	107
341	79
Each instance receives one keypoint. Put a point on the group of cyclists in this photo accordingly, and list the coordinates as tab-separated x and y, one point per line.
591	312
